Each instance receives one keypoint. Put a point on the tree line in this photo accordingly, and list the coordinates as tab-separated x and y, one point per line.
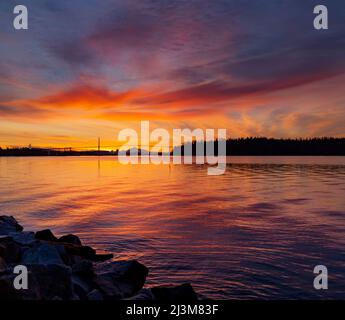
261	146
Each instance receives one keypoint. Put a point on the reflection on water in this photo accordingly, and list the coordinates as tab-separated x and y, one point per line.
255	232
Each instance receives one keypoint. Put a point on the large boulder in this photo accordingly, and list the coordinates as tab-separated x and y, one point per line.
143	295
82	278
84	269
184	292
42	253
85	252
53	280
94	295
120	279
8	291
45	282
23	238
102	257
9	224
10	251
45	235
70	238
3	265
81	286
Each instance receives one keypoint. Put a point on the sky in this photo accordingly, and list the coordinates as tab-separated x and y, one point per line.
88	68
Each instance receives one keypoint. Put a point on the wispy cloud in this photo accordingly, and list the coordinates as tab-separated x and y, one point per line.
183	61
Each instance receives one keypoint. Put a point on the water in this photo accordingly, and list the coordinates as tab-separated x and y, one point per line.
255	232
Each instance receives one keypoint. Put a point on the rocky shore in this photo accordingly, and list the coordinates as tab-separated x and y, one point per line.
65	269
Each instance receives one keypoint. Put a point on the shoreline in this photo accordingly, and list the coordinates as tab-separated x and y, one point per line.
116	156
65	269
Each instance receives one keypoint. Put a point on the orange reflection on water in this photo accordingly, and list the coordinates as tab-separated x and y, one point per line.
253	232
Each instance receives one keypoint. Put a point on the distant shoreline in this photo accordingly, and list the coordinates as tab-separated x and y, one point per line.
116	156
234	147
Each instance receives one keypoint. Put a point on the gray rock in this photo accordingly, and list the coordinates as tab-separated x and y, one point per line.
6	229
3	265
95	295
62	252
70	238
8	292
85	252
81	286
184	292
45	235
53	280
143	295
10	251
121	279
9	224
74	259
84	269
24	238
112	289
42	254
102	257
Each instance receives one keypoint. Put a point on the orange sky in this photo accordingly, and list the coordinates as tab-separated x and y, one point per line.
105	70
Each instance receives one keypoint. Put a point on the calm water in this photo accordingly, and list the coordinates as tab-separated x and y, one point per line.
255	232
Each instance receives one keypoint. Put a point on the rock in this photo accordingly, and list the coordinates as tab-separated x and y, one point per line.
23	238
184	292
10	251
72	259
3	265
70	238
121	279
8	292
112	289
88	253
81	286
95	295
50	278
143	294
84	269
85	252
62	252
5	229
9	224
102	257
53	280
82	278
43	253
46	235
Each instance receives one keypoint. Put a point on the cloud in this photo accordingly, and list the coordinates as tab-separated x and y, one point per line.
23	112
83	96
185	61
218	91
88	102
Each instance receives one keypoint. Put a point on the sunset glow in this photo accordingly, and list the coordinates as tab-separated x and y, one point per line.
78	74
